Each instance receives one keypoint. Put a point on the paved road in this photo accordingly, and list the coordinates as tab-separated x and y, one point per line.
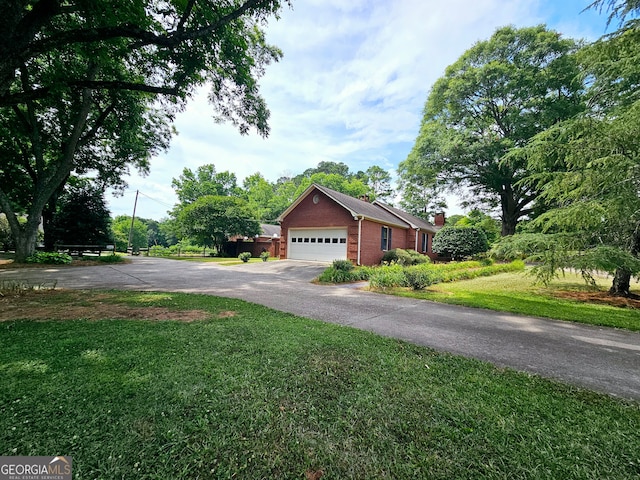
601	359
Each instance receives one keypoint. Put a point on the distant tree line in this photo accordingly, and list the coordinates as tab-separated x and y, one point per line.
211	207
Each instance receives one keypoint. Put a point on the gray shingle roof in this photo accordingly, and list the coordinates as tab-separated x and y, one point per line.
376	211
359	207
415	222
270	230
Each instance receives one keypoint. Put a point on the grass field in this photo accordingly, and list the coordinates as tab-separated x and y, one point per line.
566	298
220	388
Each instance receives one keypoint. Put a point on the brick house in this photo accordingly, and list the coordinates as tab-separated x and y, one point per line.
268	240
325	225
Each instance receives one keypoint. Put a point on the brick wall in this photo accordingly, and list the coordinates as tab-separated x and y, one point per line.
325	213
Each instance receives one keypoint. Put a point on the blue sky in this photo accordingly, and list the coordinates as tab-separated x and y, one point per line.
350	88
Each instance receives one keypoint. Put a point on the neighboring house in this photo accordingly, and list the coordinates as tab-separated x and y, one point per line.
267	241
325	225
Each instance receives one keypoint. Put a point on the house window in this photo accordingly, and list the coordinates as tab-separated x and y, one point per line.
334	240
385	243
425	242
313	239
294	240
343	240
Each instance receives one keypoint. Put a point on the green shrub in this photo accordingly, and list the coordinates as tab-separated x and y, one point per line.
49	258
388	277
265	256
460	242
344	265
160	251
390	257
411	257
108	259
244	256
335	275
403	257
420	278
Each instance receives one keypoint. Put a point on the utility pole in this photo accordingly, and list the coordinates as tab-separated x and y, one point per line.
133	217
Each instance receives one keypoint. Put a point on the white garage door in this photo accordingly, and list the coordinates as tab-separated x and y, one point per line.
321	244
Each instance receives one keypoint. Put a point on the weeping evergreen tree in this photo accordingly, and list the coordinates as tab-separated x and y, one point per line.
588	168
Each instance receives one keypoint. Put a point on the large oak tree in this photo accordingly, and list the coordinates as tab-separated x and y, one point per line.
495	98
90	87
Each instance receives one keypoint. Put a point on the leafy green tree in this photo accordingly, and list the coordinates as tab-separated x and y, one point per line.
155	233
453	220
285	195
379	180
121	228
421	184
93	86
588	167
348	185
477	218
211	220
328	168
260	195
460	242
190	185
82	217
494	99
169	231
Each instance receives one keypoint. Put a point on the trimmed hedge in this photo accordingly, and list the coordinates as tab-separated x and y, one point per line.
418	277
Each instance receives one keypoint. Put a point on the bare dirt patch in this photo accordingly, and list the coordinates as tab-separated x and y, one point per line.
601	298
73	305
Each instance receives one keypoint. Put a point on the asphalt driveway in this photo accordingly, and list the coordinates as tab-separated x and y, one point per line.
597	358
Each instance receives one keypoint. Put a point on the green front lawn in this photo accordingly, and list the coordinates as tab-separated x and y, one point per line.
516	293
237	390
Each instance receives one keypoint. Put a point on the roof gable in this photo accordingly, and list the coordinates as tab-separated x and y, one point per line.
357	208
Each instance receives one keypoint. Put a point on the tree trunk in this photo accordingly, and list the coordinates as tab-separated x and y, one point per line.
509	219
510	211
26	240
621	283
621	286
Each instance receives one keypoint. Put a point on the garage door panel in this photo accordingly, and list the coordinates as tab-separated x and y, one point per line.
322	244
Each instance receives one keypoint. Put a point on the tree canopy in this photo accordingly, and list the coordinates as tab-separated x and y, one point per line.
82	216
212	219
494	99
204	181
587	168
92	86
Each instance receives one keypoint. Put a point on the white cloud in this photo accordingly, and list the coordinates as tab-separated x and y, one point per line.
350	88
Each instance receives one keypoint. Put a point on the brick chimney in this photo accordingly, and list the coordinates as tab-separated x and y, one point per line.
439	219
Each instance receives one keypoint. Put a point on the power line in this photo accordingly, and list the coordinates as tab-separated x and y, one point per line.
155	200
